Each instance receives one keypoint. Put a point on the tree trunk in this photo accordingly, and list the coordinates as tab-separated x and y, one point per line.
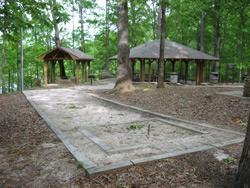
216	35
107	36
160	83
203	28
17	67
123	82
243	176
176	26
159	23
57	38
243	26
133	23
82	28
224	40
9	81
3	62
154	19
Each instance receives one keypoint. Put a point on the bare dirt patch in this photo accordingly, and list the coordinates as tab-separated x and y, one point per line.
200	104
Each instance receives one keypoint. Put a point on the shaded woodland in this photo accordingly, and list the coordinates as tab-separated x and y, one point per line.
216	27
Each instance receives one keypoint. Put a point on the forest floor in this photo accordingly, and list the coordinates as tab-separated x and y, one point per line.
31	155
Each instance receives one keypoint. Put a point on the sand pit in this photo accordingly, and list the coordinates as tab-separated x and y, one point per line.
106	136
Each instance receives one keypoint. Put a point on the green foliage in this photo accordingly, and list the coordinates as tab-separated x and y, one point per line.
230	160
183	22
243	124
135	127
76	107
122	186
79	163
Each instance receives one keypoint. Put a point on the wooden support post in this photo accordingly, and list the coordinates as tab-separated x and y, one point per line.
186	71
173	65
140	70
202	71
83	71
143	70
198	73
233	75
45	72
77	72
149	71
89	67
53	63
164	71
133	69
227	74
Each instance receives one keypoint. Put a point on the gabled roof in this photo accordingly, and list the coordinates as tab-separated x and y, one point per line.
62	53
173	51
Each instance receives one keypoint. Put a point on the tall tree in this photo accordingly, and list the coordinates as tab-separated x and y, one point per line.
243	176
216	24
55	21
123	82
107	35
133	12
160	83
159	22
82	27
203	28
3	60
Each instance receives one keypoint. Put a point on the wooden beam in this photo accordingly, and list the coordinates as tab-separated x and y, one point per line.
149	71
77	72
186	71
53	63
45	72
164	71
133	69
173	65
83	71
89	67
143	70
140	70
202	71
198	82
57	59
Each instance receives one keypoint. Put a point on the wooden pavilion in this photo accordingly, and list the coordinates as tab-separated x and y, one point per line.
150	51
60	54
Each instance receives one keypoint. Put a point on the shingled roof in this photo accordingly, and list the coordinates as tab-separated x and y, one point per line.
60	53
173	51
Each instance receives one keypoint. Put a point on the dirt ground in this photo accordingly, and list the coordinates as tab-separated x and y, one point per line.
32	156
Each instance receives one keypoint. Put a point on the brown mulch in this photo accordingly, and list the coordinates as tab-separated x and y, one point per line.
32	156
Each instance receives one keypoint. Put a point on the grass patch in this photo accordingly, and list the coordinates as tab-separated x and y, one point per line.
243	124
76	107
79	164
67	117
75	128
135	127
229	160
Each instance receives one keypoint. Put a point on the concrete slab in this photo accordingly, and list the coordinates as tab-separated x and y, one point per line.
95	130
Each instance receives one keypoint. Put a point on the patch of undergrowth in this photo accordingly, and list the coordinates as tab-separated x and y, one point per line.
76	107
243	124
135	127
79	164
67	117
75	128
122	186
230	160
